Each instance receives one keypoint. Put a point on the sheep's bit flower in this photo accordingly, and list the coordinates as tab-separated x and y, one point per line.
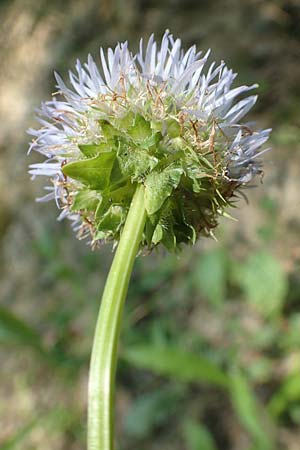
156	118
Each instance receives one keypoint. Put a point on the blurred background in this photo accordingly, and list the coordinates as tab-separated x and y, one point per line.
210	348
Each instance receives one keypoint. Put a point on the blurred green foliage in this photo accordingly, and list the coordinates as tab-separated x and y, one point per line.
169	367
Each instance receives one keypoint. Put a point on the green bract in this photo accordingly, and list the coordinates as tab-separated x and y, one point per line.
185	186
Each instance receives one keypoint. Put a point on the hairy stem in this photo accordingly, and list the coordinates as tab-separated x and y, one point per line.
105	346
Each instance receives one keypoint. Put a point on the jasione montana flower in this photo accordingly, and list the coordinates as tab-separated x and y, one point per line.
162	118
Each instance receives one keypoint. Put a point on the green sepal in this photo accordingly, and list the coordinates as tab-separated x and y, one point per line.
112	220
173	128
134	162
152	141
158	234
169	239
120	196
148	231
94	172
108	130
86	200
116	176
178	143
185	233
99	235
205	162
164	226
193	236
91	150
156	125
195	175
126	121
167	224
159	186
176	230
141	129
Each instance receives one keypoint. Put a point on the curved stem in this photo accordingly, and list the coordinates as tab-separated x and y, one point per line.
105	346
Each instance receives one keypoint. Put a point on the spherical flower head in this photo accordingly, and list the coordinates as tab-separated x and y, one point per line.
162	118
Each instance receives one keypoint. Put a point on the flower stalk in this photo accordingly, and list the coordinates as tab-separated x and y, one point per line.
104	352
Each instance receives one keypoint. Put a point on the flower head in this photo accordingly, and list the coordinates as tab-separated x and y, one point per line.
163	118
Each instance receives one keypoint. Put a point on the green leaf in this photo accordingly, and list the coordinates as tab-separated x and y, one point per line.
175	363
94	172
141	129
210	275
86	200
198	437
159	186
263	281
247	410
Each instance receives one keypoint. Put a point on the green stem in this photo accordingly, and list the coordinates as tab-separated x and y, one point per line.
105	346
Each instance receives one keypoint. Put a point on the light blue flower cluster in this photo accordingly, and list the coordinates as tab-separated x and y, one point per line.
160	118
